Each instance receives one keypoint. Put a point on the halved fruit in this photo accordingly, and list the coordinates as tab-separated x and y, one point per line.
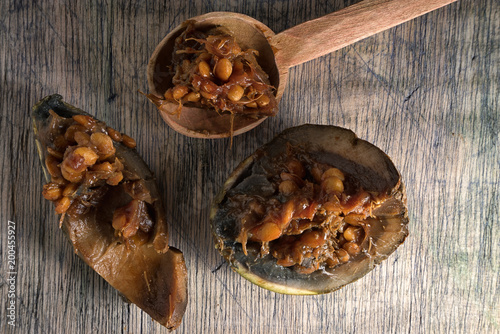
311	211
110	207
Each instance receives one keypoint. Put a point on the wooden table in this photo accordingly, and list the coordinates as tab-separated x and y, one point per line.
426	92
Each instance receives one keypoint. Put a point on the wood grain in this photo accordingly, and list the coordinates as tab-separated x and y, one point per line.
426	92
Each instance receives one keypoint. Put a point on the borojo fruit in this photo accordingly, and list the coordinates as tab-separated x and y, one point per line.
110	207
311	211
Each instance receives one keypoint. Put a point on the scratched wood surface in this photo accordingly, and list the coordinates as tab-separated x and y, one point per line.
426	92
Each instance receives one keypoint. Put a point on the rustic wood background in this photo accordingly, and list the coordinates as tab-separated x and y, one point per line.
426	92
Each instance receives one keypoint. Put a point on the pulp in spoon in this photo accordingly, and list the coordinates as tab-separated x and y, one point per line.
210	70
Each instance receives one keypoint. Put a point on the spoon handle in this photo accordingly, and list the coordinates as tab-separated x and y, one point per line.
315	38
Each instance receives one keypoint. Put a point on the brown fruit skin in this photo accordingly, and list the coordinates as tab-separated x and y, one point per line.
342	149
159	284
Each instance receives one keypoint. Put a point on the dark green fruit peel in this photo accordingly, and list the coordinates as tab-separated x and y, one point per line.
313	210
111	210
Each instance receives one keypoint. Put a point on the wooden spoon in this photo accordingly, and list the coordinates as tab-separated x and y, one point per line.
277	53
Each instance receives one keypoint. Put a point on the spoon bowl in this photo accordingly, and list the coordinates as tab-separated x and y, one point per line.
207	123
277	53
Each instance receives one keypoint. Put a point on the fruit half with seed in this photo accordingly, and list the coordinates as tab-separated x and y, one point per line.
111	209
311	211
